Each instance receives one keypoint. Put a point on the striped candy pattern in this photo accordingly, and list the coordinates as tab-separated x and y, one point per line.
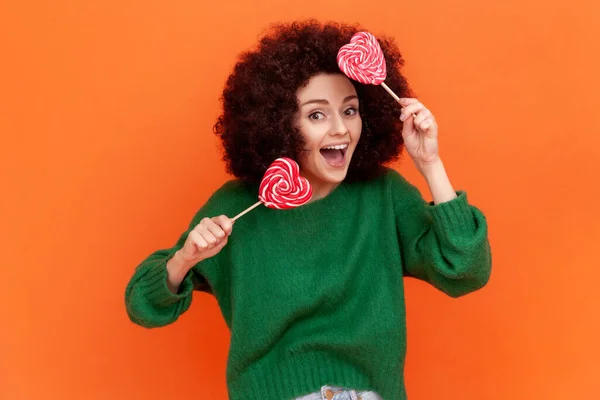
362	59
282	187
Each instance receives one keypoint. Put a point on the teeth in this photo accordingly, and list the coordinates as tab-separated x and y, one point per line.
337	147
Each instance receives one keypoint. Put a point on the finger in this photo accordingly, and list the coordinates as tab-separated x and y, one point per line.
207	235
215	229
225	223
408	100
422	116
408	126
426	124
208	225
220	245
198	240
411	110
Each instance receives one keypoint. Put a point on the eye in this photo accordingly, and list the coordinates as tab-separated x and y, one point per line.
350	111
317	115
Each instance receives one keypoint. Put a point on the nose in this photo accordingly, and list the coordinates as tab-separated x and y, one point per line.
338	127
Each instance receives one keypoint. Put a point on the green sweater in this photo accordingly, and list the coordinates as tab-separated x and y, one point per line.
315	295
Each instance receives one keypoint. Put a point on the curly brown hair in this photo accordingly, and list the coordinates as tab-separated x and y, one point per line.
259	100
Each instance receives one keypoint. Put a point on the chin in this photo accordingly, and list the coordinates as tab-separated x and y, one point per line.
336	176
323	173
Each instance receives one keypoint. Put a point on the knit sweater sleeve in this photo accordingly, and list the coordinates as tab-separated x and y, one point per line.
444	244
148	300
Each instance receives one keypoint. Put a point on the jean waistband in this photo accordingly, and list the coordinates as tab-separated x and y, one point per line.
329	392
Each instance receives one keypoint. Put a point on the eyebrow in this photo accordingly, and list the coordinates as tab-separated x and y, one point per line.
323	101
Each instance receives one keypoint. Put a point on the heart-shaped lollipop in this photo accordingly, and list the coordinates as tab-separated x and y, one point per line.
362	60
282	187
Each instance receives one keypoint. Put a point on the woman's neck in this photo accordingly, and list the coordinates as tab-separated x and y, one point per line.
322	189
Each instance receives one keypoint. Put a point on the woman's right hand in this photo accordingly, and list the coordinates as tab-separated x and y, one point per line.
206	239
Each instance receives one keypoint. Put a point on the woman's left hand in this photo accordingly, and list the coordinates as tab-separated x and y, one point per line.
420	132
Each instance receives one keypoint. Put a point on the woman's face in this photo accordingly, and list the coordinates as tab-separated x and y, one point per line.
329	121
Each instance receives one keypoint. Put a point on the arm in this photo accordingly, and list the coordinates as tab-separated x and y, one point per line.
445	244
177	269
160	289
439	184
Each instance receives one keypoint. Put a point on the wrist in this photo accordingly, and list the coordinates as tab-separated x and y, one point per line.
438	181
431	169
179	263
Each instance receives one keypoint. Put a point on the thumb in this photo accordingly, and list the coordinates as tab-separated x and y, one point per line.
408	127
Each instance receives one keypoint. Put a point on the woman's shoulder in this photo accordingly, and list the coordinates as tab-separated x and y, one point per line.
388	183
236	189
388	177
231	196
235	186
394	184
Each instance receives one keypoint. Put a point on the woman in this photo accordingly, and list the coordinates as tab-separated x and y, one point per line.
314	296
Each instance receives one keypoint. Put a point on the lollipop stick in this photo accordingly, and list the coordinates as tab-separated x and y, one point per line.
394	95
246	211
390	92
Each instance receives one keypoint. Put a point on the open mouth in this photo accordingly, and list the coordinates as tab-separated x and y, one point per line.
335	155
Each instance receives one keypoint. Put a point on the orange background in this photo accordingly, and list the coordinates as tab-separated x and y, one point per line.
107	151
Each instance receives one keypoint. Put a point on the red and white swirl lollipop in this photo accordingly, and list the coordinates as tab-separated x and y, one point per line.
282	187
362	60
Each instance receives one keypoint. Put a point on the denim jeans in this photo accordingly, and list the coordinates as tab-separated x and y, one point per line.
337	393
